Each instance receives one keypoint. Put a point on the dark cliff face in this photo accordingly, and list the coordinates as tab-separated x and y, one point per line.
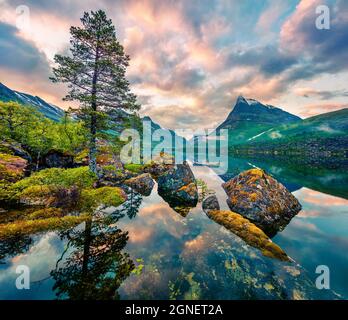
252	112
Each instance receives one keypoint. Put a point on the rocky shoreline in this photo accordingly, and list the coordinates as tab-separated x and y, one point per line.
260	206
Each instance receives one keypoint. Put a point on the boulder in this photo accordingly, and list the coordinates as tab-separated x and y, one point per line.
109	159
12	168
110	176
50	196
15	149
210	203
160	164
262	199
142	184
248	232
58	159
178	186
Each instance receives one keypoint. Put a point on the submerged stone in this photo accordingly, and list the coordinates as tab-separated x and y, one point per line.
210	203
249	232
262	199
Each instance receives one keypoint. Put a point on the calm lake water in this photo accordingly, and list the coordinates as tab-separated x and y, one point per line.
191	257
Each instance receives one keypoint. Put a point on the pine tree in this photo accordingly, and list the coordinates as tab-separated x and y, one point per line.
95	74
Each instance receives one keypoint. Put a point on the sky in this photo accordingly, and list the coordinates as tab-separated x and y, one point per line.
191	59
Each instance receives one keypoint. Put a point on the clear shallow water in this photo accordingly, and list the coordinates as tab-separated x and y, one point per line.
190	257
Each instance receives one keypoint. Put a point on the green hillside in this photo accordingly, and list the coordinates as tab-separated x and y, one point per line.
315	135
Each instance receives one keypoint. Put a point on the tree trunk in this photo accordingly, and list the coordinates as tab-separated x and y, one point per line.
93	129
38	160
86	256
93	145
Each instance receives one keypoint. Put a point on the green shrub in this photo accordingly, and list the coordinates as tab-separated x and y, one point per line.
80	177
135	168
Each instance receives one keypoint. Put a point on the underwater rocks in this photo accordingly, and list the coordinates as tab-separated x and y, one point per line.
142	184
210	203
178	186
262	199
249	232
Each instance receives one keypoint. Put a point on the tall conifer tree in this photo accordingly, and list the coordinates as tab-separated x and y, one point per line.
95	73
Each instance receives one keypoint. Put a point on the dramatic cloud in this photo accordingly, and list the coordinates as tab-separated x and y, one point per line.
191	59
322	94
314	109
18	54
325	49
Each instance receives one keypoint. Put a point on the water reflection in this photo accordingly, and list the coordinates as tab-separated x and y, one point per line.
188	257
96	265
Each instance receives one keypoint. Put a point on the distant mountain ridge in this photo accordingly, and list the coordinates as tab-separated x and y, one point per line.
253	111
49	110
324	134
250	118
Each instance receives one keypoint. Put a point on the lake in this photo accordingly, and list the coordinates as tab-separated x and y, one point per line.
185	255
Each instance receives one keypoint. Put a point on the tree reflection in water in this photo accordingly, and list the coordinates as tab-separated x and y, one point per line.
130	207
14	246
95	266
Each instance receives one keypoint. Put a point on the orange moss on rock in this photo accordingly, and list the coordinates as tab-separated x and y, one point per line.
249	232
40	221
11	167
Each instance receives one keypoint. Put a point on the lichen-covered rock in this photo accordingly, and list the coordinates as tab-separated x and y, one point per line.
12	168
111	176
262	199
210	203
249	232
42	220
51	196
14	148
178	186
142	184
160	165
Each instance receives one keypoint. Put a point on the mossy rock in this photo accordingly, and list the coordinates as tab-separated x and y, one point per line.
142	184
51	196
80	177
134	168
51	222
105	196
160	165
178	186
249	232
12	168
259	197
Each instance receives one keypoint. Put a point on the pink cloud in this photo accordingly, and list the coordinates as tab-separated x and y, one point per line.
270	16
315	109
291	36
